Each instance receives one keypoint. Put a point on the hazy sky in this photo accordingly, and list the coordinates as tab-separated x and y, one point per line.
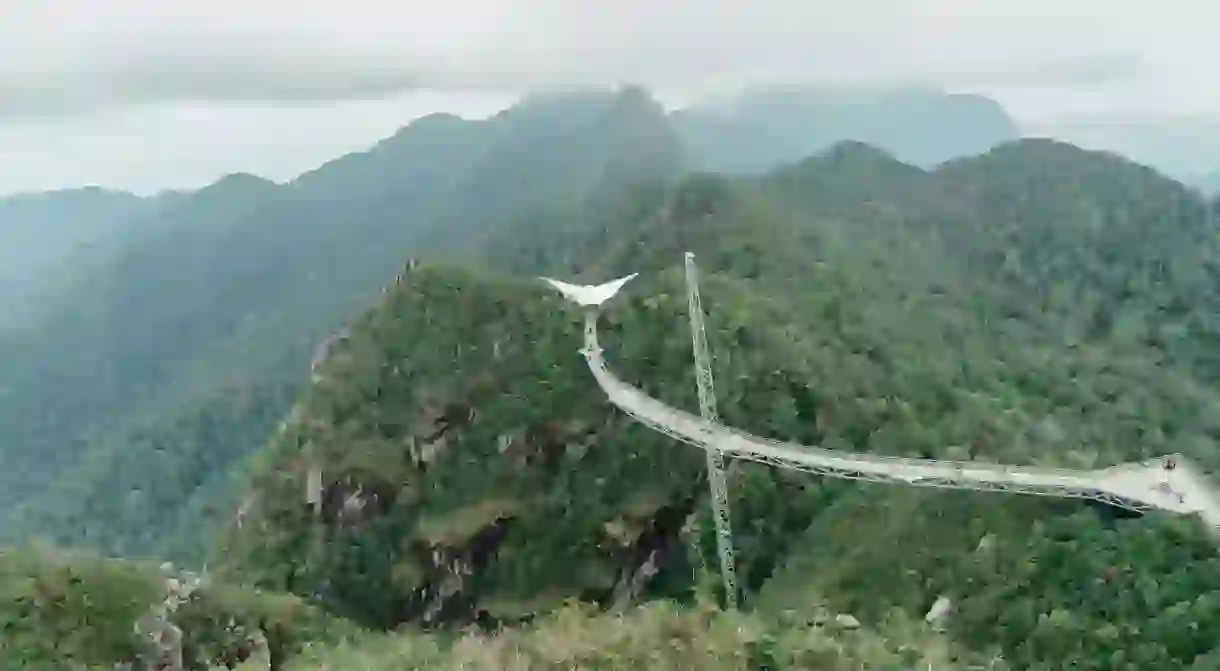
146	95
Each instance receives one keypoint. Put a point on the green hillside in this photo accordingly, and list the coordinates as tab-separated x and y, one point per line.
47	234
225	292
830	320
1037	304
460	411
71	612
656	636
201	331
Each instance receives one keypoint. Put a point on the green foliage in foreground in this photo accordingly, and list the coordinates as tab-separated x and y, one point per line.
80	611
654	637
56	613
1052	584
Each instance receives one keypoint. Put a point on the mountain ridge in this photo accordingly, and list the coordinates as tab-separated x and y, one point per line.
846	367
451	463
244	277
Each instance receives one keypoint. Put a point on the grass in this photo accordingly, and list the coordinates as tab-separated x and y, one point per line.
659	636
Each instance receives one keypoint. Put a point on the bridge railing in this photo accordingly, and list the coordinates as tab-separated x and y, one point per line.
626	394
654	414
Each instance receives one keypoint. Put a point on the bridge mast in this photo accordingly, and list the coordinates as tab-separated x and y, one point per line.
715	460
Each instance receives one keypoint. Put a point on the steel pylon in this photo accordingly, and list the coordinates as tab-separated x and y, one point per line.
715	459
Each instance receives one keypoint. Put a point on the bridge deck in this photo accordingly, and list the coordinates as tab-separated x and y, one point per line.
1137	486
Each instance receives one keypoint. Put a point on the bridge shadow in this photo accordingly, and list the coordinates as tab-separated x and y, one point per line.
1106	512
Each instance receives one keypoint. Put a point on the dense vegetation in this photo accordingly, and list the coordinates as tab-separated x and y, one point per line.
833	291
74	612
1036	304
239	281
202	329
45	233
655	637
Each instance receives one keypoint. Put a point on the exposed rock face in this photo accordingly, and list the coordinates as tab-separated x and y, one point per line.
324	351
446	591
451	414
156	626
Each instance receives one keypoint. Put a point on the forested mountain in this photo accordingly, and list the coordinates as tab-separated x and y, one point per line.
201	331
45	234
762	128
469	467
1037	304
197	331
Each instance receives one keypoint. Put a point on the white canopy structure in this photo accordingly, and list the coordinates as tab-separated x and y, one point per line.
587	295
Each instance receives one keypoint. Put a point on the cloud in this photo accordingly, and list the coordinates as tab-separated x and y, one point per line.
1085	71
149	148
220	69
141	94
77	56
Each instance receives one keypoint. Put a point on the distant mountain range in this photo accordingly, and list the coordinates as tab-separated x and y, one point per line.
752	132
44	233
130	320
206	313
764	128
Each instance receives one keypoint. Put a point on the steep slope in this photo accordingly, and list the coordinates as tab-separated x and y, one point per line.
240	280
468	465
468	469
462	420
763	128
465	463
117	344
1051	586
42	228
1107	249
608	143
943	328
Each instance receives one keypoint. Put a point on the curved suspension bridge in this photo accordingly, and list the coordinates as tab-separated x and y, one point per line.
1170	483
